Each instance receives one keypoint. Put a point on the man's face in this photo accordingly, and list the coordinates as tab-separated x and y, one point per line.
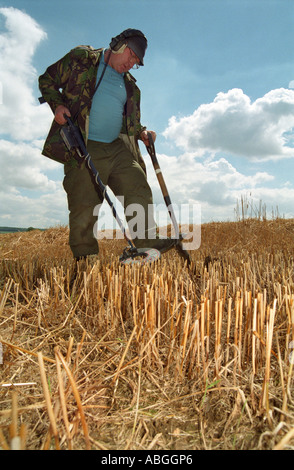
125	61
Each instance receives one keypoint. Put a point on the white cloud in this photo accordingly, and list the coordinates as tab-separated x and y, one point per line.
187	176
21	166
217	186
28	196
44	211
233	124
21	117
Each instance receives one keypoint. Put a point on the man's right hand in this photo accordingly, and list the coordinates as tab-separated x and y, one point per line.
59	114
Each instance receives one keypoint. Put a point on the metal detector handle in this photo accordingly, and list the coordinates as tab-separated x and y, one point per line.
76	134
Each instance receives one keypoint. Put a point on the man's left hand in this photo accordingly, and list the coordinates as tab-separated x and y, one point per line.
144	137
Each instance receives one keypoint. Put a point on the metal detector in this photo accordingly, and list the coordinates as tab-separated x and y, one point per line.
73	139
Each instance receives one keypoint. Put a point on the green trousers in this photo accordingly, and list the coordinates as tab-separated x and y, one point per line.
122	173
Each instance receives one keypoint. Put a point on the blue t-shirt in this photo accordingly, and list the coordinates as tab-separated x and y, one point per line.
106	113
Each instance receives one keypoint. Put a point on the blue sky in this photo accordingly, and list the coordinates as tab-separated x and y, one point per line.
217	87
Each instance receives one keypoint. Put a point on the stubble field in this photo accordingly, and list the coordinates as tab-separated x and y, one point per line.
158	357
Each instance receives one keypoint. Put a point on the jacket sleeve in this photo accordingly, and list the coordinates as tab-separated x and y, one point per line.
58	75
53	80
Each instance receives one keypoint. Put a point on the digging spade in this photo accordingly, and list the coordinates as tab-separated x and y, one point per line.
151	150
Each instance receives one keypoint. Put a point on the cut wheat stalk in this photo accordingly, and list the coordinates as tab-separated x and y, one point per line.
269	339
48	400
23	350
3	442
285	440
115	377
77	398
63	401
17	437
4	294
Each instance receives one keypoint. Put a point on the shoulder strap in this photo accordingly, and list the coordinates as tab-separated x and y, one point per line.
103	72
96	87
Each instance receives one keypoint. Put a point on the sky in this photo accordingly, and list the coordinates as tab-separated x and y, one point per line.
217	87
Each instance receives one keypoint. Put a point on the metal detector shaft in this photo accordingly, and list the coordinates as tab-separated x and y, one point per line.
78	143
166	197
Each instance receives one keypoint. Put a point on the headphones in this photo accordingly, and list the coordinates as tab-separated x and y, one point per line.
119	40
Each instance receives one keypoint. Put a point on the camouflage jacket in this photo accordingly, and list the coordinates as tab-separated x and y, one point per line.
71	82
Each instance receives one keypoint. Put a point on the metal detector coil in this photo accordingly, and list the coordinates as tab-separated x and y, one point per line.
146	255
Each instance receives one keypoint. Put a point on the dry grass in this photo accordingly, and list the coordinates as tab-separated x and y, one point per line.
153	357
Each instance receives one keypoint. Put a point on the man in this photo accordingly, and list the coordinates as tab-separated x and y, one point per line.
94	87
